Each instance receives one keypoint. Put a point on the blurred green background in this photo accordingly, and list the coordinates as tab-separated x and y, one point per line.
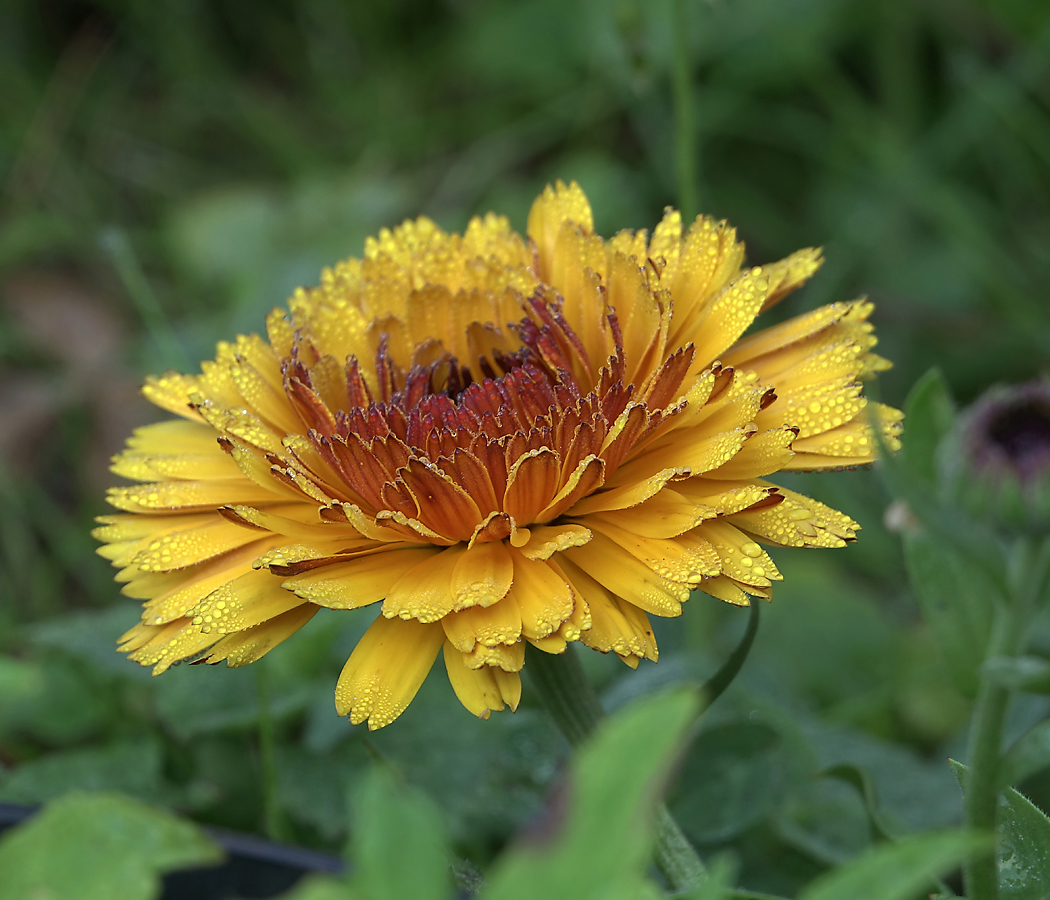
172	169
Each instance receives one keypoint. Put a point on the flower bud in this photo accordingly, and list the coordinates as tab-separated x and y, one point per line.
997	460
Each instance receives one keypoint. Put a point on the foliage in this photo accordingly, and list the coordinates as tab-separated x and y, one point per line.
96	846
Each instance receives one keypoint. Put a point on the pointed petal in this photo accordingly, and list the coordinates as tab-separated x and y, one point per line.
386	669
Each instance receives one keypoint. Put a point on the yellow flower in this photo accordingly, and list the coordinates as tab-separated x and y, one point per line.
501	440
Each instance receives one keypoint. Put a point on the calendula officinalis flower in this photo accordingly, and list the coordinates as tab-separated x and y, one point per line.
498	440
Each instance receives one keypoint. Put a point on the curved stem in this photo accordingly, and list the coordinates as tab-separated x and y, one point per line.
569	697
714	686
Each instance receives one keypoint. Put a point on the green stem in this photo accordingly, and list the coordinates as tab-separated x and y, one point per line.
983	757
714	686
569	697
686	152
267	751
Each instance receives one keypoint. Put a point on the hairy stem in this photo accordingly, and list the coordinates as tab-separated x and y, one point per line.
983	758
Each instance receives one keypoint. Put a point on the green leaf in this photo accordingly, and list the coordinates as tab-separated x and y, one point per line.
1023	846
602	845
896	871
1030	674
957	600
732	778
97	847
321	887
861	780
131	767
198	700
398	845
929	413
92	638
1029	755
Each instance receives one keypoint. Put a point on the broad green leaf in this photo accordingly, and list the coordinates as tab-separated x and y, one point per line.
897	871
929	413
1023	846
732	778
599	849
97	847
957	600
1030	674
131	767
398	845
861	780
1029	755
53	700
322	887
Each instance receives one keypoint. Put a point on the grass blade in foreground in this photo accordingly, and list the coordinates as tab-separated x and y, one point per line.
897	871
399	848
602	846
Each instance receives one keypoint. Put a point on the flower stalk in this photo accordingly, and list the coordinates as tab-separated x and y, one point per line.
275	829
569	697
1026	581
983	754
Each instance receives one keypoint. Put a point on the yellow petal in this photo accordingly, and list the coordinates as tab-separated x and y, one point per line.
546	540
629	494
242	603
668	558
666	515
542	596
694	450
181	549
742	559
628	578
386	669
725	589
729	316
477	689
424	592
174	436
621	628
172	392
356	582
762	454
178	495
173	643
482	575
508	657
496	624
180	591
247	646
553	208
798	522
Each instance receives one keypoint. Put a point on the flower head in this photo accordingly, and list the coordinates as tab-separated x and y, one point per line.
996	462
501	440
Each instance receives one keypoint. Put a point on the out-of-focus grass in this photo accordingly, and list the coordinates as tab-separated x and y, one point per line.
227	156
